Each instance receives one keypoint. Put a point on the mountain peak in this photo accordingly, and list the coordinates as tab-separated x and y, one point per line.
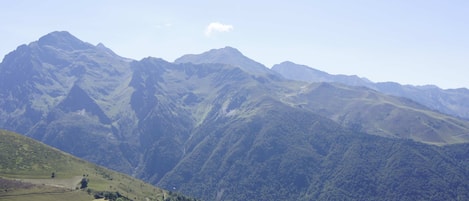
63	40
286	63
227	55
228	50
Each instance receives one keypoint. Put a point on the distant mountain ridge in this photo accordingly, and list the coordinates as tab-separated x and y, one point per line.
304	73
220	126
450	101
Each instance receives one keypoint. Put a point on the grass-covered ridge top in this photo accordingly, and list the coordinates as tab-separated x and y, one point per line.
30	170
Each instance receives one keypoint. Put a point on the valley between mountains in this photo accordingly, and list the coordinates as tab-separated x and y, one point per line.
220	126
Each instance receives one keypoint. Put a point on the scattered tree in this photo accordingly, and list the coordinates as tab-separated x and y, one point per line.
84	183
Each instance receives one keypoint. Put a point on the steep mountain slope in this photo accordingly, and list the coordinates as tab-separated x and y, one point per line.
69	94
31	170
171	110
219	126
360	108
290	154
451	101
247	143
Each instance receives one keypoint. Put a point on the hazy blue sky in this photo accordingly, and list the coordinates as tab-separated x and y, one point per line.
408	41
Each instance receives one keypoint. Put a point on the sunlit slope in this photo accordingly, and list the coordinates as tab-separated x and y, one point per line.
369	111
449	101
30	170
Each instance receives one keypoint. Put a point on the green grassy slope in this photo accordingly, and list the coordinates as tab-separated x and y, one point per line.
291	154
369	111
27	166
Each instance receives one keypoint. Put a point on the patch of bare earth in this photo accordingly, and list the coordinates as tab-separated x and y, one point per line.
69	183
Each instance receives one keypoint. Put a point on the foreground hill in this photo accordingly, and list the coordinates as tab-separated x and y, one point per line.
30	170
219	126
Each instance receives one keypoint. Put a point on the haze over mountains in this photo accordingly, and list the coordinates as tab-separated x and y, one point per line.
220	126
451	101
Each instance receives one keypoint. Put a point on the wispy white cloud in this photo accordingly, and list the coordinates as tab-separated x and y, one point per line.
163	25
217	27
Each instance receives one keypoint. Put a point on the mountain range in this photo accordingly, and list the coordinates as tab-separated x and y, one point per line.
454	102
220	126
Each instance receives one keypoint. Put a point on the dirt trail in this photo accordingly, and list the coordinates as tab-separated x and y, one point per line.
70	183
